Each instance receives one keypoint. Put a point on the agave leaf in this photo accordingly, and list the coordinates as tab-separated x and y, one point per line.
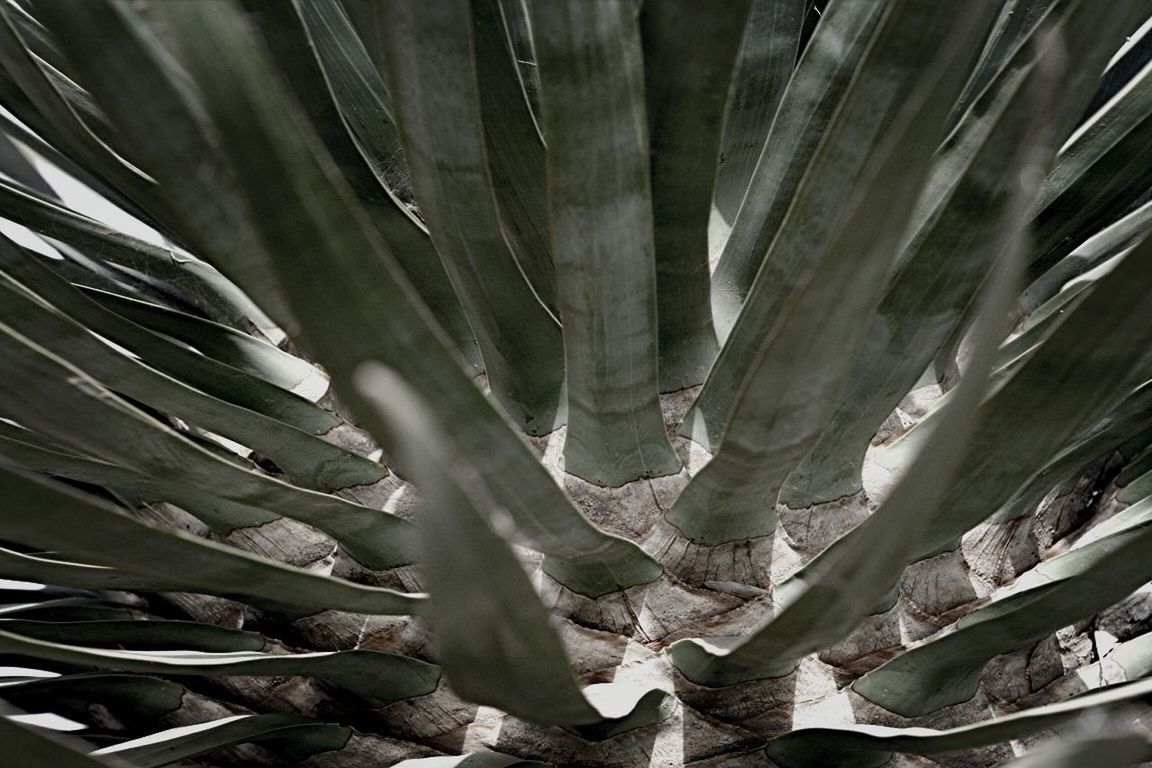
1116	751
143	81
1099	174
23	450
1137	489
474	760
497	646
519	31
195	282
520	340
516	153
688	65
827	598
306	459
1015	25
14	164
147	697
39	747
350	110
27	567
600	210
231	347
151	634
358	91
1094	251
378	677
863	746
994	156
195	369
52	518
325	255
1130	419
810	102
1072	586
1125	65
797	336
1040	324
46	110
767	59
1064	388
61	401
299	737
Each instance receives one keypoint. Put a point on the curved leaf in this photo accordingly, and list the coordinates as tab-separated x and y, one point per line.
306	459
1073	586
52	518
862	746
378	677
325	256
497	646
62	402
827	598
300	737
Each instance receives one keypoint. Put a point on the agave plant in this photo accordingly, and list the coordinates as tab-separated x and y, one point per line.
573	382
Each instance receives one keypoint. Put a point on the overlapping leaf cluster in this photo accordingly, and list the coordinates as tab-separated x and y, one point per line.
621	306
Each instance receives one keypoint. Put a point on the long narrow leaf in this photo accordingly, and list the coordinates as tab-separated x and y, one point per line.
497	646
46	516
520	340
799	331
325	254
600	209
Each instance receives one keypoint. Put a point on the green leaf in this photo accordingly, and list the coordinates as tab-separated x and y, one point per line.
38	747
862	746
970	208
43	106
1017	22
196	282
71	695
23	449
520	340
686	95
600	209
1064	388
324	258
1072	586
27	567
49	517
823	602
378	677
1097	249
65	404
767	59
1116	751
496	645
1130	419
516	153
151	635
807	108
301	737
798	334
306	459
474	760
1101	171
239	350
349	108
176	359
